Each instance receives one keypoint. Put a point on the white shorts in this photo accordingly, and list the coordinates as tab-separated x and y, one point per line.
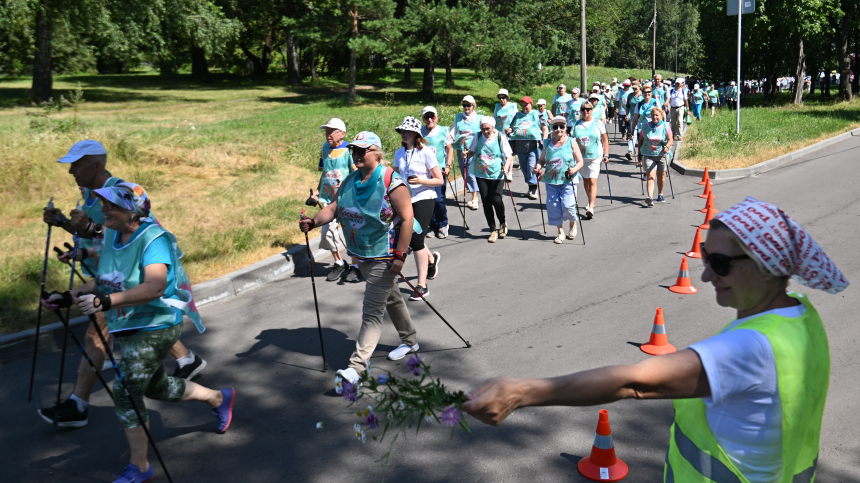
591	167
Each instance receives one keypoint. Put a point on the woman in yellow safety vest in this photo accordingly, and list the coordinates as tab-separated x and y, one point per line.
749	400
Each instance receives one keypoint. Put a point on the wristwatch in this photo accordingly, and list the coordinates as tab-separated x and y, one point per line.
400	256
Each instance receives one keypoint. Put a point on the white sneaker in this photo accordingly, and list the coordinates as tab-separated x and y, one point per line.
649	201
589	212
430	234
350	375
402	351
443	232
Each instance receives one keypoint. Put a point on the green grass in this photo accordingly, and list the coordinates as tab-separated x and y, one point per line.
227	165
768	129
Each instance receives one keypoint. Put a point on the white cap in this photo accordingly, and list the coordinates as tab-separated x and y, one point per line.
732	83
503	92
561	86
558	120
602	84
575	89
335	123
541	101
615	79
488	120
680	80
83	148
595	89
469	99
695	86
428	109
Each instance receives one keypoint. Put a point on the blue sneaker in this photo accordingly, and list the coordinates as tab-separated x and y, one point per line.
661	199
224	412
132	474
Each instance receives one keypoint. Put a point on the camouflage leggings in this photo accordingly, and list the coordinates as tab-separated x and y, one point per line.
143	373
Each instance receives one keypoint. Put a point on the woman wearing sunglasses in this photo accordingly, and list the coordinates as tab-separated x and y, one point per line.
749	400
560	100
466	125
492	160
504	111
590	135
526	136
373	204
562	160
655	141
417	163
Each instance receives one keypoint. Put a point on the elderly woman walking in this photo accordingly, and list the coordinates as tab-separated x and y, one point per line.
141	287
492	160
748	401
525	132
562	161
590	135
466	125
655	141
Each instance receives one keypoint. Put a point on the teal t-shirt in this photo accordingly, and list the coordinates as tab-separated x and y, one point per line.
698	98
504	115
573	107
561	104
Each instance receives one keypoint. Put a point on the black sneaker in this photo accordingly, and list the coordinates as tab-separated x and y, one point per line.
190	371
419	292
433	266
353	275
336	272
65	415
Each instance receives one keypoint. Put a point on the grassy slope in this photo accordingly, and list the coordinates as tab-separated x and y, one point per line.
768	129
227	165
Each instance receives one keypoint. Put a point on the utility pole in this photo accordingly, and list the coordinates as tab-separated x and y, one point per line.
738	94
583	70
676	49
654	44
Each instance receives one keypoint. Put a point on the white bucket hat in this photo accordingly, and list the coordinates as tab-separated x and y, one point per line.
409	124
469	99
503	92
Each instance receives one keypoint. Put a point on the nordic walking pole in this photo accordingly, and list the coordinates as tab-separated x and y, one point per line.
606	165
669	173
83	350
540	201
39	310
60	252
642	175
437	312
576	205
465	225
515	207
68	312
316	303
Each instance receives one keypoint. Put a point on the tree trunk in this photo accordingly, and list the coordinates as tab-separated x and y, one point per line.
407	73
43	81
260	63
449	76
770	89
428	85
122	65
313	55
855	84
798	73
845	93
352	56
294	75
199	66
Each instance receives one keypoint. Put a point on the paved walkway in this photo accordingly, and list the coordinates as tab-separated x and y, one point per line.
530	308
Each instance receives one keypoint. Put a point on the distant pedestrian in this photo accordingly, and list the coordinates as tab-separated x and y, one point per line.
732	96
562	161
526	136
544	116
655	142
559	101
504	112
714	99
697	97
466	125
573	104
679	104
439	139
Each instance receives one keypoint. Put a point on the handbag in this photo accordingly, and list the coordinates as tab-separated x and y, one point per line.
687	118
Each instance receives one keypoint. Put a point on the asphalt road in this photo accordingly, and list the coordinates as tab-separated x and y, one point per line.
529	308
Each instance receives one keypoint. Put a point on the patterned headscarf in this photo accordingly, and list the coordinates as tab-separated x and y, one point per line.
129	196
782	245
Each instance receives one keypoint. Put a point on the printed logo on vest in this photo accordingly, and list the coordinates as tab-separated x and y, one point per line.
114	280
353	216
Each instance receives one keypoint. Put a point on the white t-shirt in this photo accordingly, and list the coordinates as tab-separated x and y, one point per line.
506	146
418	162
744	411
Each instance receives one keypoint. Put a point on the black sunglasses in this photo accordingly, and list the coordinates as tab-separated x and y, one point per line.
504	97
586	109
429	115
466	105
558	127
720	264
357	151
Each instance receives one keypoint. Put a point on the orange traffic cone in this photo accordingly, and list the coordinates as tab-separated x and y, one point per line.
683	285
705	176
709	204
707	189
708	217
697	241
659	342
603	465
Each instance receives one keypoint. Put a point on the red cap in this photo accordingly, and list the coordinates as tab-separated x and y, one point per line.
527	99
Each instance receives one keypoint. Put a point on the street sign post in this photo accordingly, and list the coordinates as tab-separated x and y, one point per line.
732	8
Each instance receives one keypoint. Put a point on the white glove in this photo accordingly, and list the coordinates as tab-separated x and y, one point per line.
86	304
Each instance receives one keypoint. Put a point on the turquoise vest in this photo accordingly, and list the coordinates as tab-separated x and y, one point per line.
488	159
597	113
504	115
466	130
588	138
562	104
120	269
526	126
371	228
654	137
660	95
558	161
336	164
645	111
93	209
437	142
573	109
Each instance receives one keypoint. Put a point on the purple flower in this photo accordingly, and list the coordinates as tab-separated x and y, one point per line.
371	421
349	391
451	416
413	365
382	379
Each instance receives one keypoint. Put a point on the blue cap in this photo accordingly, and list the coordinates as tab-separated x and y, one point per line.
366	139
81	149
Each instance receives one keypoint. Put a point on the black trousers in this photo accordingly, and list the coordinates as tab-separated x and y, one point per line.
491	198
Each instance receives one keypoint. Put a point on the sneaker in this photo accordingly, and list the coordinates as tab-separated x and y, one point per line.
442	233
532	193
132	474
503	230
661	199
431	234
336	272
419	293
224	412
190	371
589	212
350	375
473	205
433	267
629	156
649	201
493	237
65	415
402	351
353	275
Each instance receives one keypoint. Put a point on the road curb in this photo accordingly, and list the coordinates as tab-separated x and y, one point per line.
762	167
